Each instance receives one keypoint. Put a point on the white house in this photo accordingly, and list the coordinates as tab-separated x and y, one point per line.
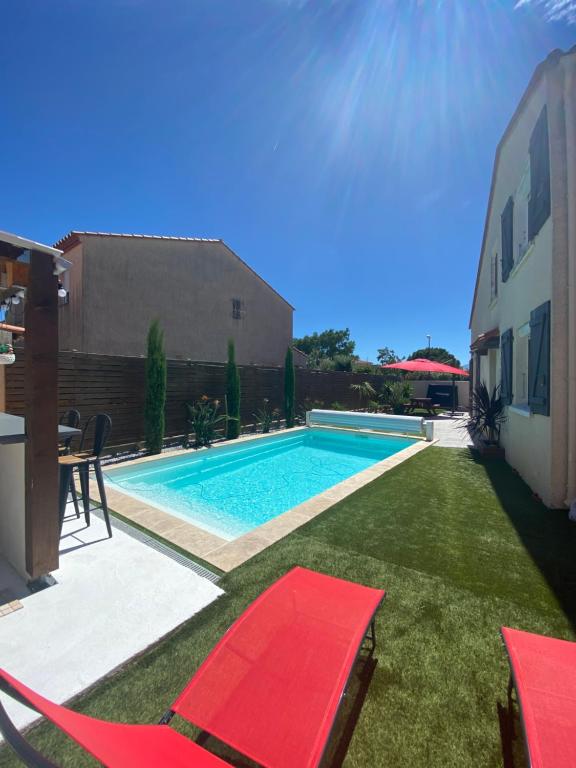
523	321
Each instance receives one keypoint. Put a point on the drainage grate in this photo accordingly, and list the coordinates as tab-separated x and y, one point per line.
153	543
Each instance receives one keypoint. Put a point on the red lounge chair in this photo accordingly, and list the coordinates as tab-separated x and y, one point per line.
543	672
270	689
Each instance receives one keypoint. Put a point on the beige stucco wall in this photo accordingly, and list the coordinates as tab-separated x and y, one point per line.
188	286
537	446
70	325
569	66
12	503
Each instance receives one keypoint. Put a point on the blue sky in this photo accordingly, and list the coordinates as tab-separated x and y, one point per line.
342	148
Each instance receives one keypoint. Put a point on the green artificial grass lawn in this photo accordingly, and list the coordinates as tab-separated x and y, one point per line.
461	547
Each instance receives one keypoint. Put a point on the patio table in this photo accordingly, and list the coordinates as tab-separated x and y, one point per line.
13	430
13	433
422	402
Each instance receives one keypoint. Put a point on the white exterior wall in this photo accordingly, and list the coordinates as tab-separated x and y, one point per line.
12	503
537	446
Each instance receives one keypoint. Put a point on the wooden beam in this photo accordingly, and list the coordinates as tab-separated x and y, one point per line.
17	329
41	412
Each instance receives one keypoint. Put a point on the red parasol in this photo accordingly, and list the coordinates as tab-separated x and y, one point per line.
421	365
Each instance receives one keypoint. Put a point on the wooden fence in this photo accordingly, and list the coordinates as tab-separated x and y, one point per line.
115	385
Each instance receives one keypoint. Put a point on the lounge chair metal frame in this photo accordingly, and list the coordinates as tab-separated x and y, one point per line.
295	587
25	751
541	676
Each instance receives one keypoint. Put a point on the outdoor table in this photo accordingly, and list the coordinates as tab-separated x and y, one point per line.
421	402
13	430
12	489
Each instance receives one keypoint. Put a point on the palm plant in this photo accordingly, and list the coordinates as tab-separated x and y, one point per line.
487	414
364	390
395	394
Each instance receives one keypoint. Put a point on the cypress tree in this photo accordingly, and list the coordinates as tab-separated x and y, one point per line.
155	388
232	395
289	388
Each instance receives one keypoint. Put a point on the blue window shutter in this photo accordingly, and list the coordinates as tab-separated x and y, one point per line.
507	228
506	342
539	203
539	360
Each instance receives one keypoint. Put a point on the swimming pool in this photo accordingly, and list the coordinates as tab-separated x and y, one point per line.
232	489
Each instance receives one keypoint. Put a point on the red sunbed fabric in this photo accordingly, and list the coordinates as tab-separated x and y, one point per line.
544	672
122	746
272	685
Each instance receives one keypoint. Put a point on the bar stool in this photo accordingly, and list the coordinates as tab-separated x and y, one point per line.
82	461
70	418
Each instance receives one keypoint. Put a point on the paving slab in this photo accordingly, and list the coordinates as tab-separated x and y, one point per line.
451	433
113	598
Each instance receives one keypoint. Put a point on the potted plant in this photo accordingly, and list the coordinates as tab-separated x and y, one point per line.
486	418
7	356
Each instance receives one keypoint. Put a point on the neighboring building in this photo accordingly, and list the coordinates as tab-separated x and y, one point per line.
200	290
523	321
300	358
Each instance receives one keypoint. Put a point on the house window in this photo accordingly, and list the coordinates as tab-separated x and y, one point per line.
539	360
494	276
521	204
506	345
507	229
539	205
237	309
521	373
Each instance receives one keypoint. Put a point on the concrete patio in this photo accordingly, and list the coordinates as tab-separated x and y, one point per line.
449	431
113	598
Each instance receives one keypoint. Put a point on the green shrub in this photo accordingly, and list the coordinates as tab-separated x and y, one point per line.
289	388
326	364
364	368
343	362
155	399
232	395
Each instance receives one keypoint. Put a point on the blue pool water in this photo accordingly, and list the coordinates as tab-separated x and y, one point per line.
230	490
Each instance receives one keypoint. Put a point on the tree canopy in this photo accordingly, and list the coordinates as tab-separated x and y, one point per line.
386	355
439	354
328	344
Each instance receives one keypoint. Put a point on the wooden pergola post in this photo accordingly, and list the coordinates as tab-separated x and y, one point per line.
41	414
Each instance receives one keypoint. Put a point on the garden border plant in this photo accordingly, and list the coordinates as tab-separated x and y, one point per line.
289	389
155	398
203	416
232	395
